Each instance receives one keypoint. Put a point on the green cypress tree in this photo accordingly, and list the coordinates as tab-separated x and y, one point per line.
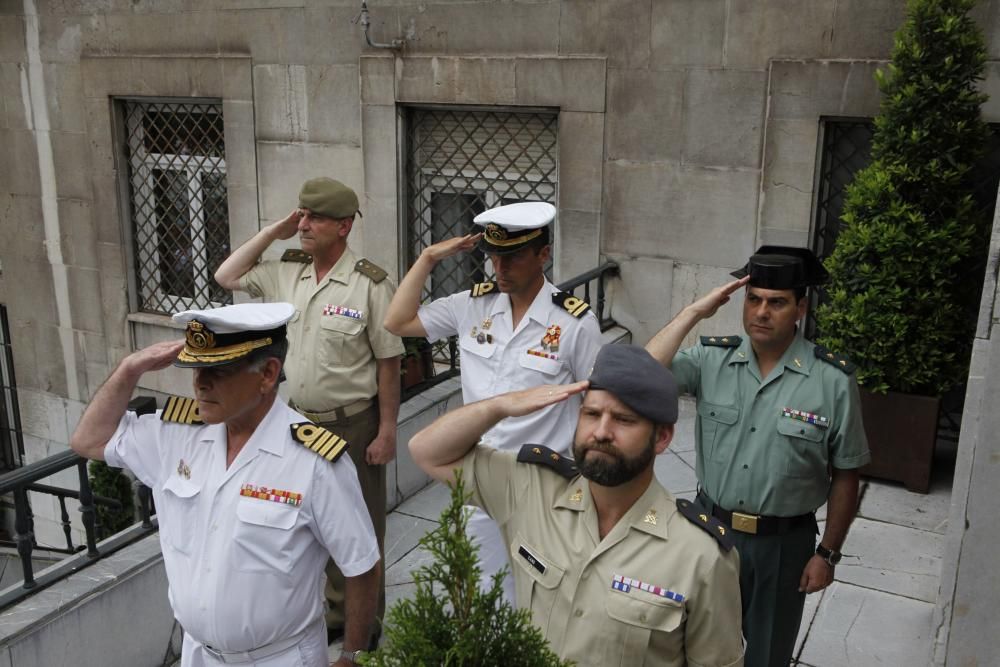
897	303
112	483
450	622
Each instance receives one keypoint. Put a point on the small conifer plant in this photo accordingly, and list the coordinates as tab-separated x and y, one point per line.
450	622
114	484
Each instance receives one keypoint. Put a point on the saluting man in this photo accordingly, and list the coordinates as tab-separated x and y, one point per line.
515	332
779	433
343	366
614	570
252	499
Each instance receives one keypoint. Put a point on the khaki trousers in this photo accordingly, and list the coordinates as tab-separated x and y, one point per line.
359	430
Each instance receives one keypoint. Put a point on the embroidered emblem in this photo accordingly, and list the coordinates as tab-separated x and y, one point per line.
577	496
550	341
807	417
626	584
650	517
495	232
354	314
184	470
536	450
798	364
703	517
318	439
274	495
554	456
199	337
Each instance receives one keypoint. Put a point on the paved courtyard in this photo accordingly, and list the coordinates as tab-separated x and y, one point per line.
877	612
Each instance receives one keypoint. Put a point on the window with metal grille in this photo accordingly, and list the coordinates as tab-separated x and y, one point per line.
179	223
11	440
462	161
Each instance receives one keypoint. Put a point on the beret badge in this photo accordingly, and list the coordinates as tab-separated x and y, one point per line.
495	232
199	337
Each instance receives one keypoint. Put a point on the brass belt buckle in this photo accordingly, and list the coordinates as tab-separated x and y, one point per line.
745	523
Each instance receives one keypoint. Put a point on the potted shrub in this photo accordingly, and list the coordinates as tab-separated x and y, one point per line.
896	302
449	621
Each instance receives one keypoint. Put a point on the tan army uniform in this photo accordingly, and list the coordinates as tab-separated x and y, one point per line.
656	591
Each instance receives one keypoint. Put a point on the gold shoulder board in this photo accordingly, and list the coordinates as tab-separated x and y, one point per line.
575	306
294	255
700	517
181	410
376	273
317	439
482	289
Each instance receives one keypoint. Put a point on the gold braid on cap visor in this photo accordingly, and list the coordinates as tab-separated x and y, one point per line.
227	353
504	242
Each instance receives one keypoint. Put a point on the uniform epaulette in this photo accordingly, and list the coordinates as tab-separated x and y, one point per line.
834	359
317	439
573	305
721	341
699	517
181	410
546	457
296	255
482	289
373	271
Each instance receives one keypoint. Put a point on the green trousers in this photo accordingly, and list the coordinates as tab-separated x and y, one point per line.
359	431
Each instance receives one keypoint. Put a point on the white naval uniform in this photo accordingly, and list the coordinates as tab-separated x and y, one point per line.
245	572
514	360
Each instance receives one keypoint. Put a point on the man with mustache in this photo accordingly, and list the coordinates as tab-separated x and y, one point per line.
343	366
252	499
779	433
515	332
614	570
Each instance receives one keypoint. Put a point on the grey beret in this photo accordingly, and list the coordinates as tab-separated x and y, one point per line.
637	380
325	196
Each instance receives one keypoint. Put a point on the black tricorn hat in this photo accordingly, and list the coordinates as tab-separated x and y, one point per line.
783	267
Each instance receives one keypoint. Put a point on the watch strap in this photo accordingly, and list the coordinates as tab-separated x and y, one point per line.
831	556
351	656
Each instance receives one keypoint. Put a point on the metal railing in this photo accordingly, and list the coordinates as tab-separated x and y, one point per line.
594	284
19	482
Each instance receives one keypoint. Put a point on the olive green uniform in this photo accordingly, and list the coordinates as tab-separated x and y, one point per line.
657	590
764	446
335	338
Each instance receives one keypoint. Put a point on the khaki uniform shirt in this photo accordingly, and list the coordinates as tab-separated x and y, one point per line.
764	444
336	333
595	600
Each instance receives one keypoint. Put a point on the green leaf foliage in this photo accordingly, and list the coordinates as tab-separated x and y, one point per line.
450	622
897	304
112	483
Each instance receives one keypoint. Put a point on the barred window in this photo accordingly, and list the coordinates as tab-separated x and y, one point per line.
461	162
175	151
11	440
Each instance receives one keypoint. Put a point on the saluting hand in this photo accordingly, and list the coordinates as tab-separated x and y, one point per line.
289	227
452	246
153	358
707	305
526	401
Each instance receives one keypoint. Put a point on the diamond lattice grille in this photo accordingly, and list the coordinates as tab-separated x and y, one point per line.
177	190
461	162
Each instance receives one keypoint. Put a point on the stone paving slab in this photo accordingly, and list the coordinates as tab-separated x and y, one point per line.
402	533
859	627
894	559
428	503
674	474
894	504
401	572
808	616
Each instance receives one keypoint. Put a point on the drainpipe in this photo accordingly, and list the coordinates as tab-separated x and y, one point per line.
366	24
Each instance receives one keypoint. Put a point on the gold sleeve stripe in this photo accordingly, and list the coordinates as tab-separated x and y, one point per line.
320	440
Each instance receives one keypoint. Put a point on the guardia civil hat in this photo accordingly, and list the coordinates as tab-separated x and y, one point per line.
637	380
783	267
218	336
509	228
330	198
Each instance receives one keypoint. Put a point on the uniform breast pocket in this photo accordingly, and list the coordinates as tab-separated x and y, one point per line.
470	346
805	448
263	536
536	580
178	520
549	368
339	344
715	420
635	619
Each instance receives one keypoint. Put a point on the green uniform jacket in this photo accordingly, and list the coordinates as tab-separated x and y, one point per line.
764	447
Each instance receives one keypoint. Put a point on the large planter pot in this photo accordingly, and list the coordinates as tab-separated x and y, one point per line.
901	430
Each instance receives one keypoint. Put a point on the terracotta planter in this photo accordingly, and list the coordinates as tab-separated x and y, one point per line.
902	431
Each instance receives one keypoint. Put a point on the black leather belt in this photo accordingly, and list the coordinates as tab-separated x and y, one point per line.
756	524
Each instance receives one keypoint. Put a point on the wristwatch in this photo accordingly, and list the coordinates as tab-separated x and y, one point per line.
831	556
352	656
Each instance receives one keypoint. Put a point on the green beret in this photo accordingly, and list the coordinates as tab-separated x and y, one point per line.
325	196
